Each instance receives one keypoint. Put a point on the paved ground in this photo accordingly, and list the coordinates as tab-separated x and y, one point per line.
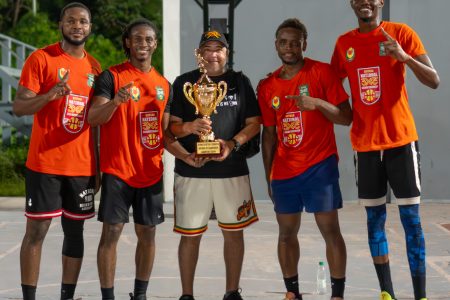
261	277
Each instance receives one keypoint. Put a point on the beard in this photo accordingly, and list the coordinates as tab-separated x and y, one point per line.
365	20
291	62
74	42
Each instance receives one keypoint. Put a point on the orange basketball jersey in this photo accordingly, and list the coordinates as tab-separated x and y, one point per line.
61	141
382	118
132	140
305	138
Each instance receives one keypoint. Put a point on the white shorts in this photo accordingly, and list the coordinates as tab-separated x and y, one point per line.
195	197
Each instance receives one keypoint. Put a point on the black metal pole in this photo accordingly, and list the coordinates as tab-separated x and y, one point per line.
231	33
387	10
205	15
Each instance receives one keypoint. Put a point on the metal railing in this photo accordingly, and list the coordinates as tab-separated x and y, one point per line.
13	55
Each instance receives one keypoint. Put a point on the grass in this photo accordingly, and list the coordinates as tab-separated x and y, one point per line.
12	189
12	169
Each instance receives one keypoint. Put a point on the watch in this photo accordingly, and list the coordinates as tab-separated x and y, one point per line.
237	145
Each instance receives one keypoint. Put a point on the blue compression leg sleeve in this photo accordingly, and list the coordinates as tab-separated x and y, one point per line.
376	218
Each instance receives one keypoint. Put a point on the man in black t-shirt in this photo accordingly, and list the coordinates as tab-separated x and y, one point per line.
222	182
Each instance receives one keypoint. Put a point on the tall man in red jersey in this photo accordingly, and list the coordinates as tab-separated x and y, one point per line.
129	103
374	58
56	86
299	103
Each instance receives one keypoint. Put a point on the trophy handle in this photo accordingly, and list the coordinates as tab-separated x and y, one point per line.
188	90
221	92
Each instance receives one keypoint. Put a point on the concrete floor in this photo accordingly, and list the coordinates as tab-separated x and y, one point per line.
261	276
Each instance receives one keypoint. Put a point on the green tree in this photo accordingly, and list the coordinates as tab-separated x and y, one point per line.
104	51
35	30
111	16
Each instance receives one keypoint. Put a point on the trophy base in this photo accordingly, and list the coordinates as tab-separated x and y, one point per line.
208	149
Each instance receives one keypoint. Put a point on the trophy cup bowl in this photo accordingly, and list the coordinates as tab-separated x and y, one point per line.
205	95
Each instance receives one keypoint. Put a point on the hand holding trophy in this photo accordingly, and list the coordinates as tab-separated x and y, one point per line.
205	95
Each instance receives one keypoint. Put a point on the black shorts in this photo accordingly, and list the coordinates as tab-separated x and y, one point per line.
399	166
49	196
117	197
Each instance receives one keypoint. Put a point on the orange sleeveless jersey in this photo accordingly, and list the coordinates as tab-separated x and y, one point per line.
304	138
382	118
61	141
132	141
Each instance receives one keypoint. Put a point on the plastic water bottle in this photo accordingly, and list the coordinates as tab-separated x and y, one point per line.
321	279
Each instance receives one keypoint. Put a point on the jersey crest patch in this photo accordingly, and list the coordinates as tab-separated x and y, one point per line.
382	49
90	80
292	125
350	54
74	113
159	93
149	121
369	85
303	90
61	73
276	102
135	93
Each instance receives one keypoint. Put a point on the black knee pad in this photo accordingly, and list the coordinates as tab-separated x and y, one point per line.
73	245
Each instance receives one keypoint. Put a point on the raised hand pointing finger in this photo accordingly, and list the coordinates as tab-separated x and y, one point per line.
123	94
393	48
387	36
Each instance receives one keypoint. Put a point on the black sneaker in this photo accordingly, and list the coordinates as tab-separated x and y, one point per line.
235	295
138	297
187	297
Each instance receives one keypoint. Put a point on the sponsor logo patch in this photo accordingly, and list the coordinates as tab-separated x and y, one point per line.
244	210
369	85
74	113
149	121
292	129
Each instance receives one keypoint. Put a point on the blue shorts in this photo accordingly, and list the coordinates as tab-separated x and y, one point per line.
316	190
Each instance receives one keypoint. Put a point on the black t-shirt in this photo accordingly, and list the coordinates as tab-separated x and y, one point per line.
226	123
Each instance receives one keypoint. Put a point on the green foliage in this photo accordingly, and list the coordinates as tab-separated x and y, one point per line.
12	169
109	18
104	51
3	17
36	30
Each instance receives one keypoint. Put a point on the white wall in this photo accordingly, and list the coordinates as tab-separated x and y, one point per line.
255	24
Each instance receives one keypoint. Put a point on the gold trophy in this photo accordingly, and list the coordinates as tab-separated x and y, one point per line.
206	96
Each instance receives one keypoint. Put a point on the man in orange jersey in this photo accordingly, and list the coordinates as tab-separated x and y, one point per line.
374	57
299	103
56	86
130	103
222	182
